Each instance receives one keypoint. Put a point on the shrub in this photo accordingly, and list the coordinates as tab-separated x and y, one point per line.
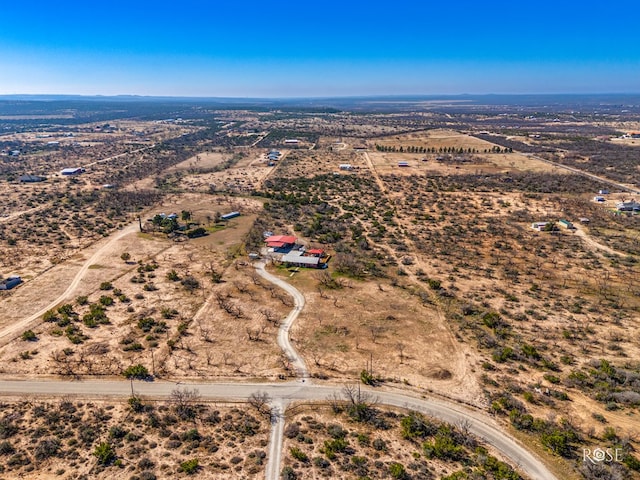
190	466
6	448
106	286
299	454
47	448
117	432
288	473
396	470
29	336
106	300
105	453
173	276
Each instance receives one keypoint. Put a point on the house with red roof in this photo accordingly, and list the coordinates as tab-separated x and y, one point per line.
280	241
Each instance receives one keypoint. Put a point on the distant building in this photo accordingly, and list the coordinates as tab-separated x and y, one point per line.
345	166
539	225
631	206
566	224
72	171
584	220
403	164
10	282
31	178
603	192
14	153
229	216
291	141
598	199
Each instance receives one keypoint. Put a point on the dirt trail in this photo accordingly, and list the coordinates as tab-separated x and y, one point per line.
12	331
462	376
594	244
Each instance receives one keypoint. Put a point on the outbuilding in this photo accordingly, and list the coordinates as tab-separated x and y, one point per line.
566	224
31	178
72	171
229	216
294	259
10	282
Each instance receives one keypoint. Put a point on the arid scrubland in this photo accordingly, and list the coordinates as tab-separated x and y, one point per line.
437	284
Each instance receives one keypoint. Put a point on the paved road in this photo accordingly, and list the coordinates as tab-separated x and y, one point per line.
283	333
479	423
12	331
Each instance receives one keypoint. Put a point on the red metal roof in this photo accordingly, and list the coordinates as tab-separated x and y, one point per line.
315	251
283	239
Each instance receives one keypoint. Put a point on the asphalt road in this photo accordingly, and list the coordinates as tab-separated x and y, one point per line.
478	423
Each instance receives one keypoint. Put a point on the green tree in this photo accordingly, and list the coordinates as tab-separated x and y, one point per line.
105	453
138	371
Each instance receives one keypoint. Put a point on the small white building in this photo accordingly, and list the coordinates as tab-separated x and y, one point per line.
539	225
345	166
598	199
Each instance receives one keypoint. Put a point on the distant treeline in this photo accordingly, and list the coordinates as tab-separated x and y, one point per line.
460	150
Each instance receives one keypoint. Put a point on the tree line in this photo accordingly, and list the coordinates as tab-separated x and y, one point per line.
460	150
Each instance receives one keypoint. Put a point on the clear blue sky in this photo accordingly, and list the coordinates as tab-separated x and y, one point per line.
322	48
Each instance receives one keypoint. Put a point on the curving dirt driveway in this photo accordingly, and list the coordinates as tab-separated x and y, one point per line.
283	333
13	330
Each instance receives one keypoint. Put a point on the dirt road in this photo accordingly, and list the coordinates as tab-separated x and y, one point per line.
283	333
479	423
12	331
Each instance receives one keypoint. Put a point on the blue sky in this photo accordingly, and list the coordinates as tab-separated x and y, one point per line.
324	48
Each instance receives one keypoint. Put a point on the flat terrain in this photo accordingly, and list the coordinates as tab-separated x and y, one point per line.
436	284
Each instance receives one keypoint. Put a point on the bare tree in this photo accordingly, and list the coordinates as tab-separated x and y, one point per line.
184	402
401	346
260	401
